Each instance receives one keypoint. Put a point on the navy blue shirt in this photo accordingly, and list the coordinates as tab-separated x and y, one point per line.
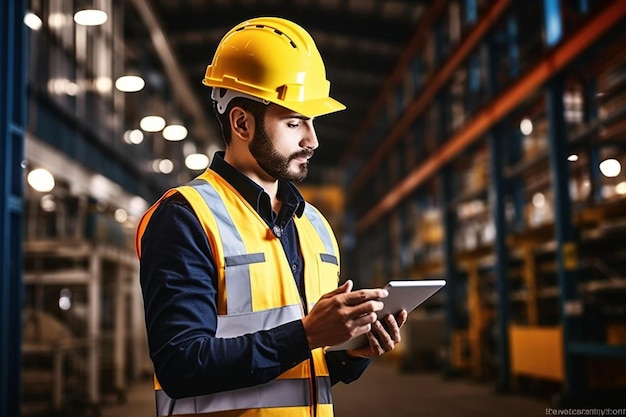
179	283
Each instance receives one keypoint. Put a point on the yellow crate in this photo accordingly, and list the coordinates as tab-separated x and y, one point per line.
537	351
459	349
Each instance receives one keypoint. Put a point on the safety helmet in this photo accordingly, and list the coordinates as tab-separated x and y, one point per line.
274	60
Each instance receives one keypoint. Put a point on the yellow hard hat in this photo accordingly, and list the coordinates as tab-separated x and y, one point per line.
276	60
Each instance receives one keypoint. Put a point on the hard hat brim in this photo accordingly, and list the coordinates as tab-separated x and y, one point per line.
313	108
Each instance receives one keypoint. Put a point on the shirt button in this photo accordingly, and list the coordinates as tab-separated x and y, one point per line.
294	267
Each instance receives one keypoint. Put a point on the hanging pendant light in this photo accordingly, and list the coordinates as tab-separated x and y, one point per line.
90	17
130	83
152	123
174	132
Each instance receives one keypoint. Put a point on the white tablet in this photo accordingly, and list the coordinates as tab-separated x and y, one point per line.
405	295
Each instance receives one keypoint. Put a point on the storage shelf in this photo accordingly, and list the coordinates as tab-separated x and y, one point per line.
66	277
597	349
103	279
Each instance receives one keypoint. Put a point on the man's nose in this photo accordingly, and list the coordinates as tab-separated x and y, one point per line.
310	140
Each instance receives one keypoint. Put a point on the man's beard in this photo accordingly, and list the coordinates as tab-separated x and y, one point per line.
274	163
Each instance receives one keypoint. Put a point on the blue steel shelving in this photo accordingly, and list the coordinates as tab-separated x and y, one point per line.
12	122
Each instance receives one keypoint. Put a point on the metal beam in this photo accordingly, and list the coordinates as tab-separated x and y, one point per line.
395	78
551	64
433	86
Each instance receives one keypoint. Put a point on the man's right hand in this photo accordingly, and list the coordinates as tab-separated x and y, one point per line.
342	314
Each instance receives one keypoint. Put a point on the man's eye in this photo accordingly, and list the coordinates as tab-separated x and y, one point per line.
293	125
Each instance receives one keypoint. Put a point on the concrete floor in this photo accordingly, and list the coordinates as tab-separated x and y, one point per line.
384	392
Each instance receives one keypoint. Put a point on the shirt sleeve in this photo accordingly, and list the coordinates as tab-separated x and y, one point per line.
179	285
343	368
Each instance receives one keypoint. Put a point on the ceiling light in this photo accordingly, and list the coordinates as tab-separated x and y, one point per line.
137	206
572	158
133	137
129	83
65	299
610	167
41	180
197	161
47	203
539	200
32	21
526	127
120	215
90	17
57	20
72	89
152	123
103	84
175	132
166	166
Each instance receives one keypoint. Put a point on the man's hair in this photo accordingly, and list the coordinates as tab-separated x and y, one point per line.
256	108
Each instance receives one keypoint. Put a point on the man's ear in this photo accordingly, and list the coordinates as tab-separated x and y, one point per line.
240	122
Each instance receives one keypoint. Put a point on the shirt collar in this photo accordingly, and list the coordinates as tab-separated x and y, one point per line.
253	193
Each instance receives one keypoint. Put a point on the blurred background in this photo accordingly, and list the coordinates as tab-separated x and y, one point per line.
483	144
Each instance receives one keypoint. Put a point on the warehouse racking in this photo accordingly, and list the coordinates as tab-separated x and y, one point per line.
508	111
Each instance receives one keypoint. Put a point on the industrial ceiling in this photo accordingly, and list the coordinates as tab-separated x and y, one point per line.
359	40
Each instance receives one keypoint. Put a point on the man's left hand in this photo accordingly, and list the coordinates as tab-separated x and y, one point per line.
382	338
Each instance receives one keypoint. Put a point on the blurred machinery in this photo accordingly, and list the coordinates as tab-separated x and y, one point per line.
84	337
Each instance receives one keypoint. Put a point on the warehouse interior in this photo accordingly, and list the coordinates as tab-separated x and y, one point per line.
482	143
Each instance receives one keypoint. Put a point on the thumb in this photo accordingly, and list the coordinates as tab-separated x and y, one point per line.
346	287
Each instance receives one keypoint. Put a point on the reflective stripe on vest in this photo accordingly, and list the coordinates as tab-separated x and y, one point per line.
317	222
237	259
273	394
233	326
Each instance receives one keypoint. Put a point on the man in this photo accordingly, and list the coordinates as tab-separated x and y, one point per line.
239	273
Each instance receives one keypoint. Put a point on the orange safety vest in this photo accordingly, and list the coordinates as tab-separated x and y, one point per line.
257	291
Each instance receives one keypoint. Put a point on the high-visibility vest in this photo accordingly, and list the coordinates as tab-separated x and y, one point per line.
257	291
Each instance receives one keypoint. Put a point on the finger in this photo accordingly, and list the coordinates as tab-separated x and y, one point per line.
361	296
365	308
393	328
384	338
402	318
375	348
365	320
